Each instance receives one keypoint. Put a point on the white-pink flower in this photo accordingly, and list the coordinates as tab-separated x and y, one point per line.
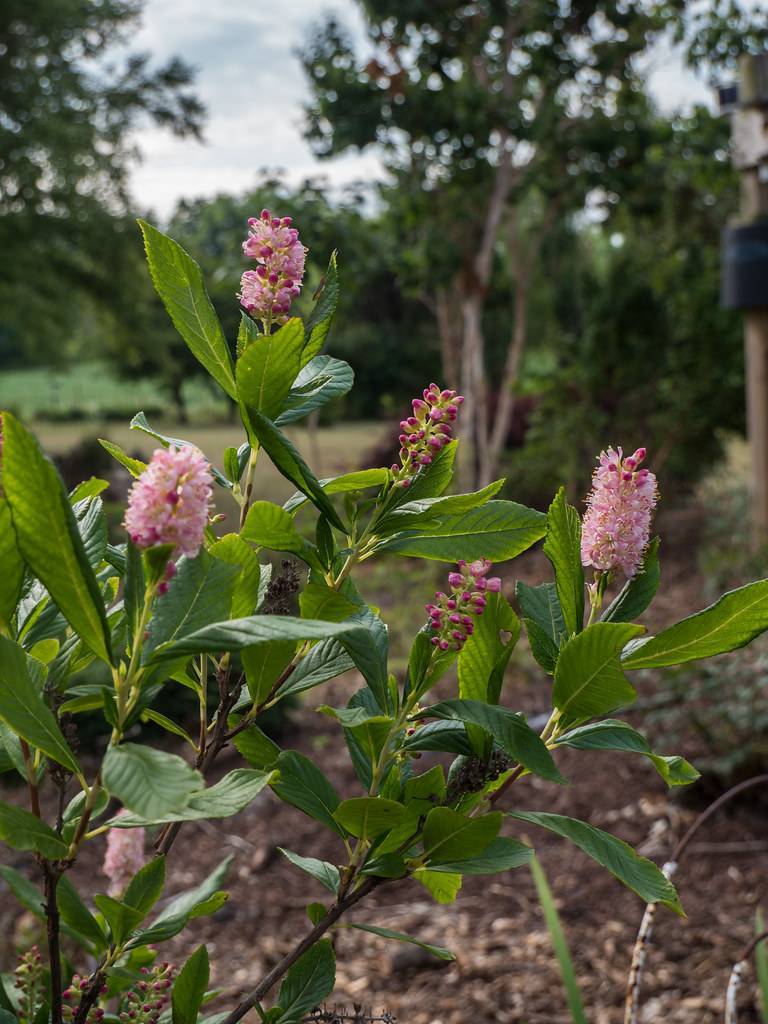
170	501
124	856
267	291
617	522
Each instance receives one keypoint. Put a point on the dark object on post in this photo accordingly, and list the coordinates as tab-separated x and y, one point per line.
744	282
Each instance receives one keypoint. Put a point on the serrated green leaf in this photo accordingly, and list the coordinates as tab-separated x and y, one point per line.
145	887
185	903
48	537
233	550
23	709
75	914
308	982
502	854
189	988
13	568
301	784
638	874
224	798
368	816
270	526
360	480
268	366
322	379
563	548
121	918
321	317
589	680
178	281
386	933
134	466
638	592
450	836
325	873
731	622
149	782
443	886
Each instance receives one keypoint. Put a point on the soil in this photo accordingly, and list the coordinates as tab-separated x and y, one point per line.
505	970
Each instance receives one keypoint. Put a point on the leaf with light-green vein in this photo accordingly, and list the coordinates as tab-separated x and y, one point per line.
450	836
318	601
268	366
321	380
12	575
189	988
186	902
498	530
638	592
636	872
139	422
502	854
612	734
178	281
360	480
589	679
134	466
731	622
75	914
325	873
510	730
301	784
23	708
270	526
289	462
307	983
145	887
386	933
149	782
320	319
121	918
24	831
224	798
199	593
563	548
48	537
485	655
368	816
418	514
233	550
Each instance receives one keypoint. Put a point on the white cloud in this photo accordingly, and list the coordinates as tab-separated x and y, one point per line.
251	81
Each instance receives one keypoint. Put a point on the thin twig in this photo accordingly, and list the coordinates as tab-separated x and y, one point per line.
51	876
737	973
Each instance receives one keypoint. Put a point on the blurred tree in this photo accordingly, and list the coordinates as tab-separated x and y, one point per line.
477	107
66	124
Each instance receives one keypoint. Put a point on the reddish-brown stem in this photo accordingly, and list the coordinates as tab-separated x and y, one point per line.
713	808
34	794
51	876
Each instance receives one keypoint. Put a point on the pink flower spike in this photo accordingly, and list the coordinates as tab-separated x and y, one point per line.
617	522
275	246
152	518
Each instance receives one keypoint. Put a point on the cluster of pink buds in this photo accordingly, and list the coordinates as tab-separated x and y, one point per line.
29	982
267	292
124	857
425	432
170	501
149	997
71	997
451	617
617	522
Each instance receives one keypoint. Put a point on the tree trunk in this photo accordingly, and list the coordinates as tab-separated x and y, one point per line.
448	315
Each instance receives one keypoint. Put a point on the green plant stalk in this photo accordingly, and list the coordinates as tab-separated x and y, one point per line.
247	490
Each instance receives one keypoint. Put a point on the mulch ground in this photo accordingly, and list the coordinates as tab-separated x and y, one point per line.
505	970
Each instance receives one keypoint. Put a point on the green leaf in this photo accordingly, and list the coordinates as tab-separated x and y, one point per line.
761	966
256	747
90	488
178	281
563	548
317	601
324	661
145	887
500	855
485	656
270	526
149	782
134	466
589	680
139	422
302	784
28	895
450	836
308	982
264	664
638	874
321	317
325	873
498	530
23	708
430	481
75	914
92	524
426	512
443	886
13	568
233	550
638	592
287	461
386	933
268	366
510	730
187	902
189	988
121	918
224	798
369	816
360	480
199	593
544	621
48	537
559	942
738	617
321	380
443	736
612	734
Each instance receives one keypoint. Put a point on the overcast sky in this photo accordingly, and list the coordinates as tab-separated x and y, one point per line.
253	86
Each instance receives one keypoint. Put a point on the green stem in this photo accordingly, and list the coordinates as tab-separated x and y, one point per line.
253	458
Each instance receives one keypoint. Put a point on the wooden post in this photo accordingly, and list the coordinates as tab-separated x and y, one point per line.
750	154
